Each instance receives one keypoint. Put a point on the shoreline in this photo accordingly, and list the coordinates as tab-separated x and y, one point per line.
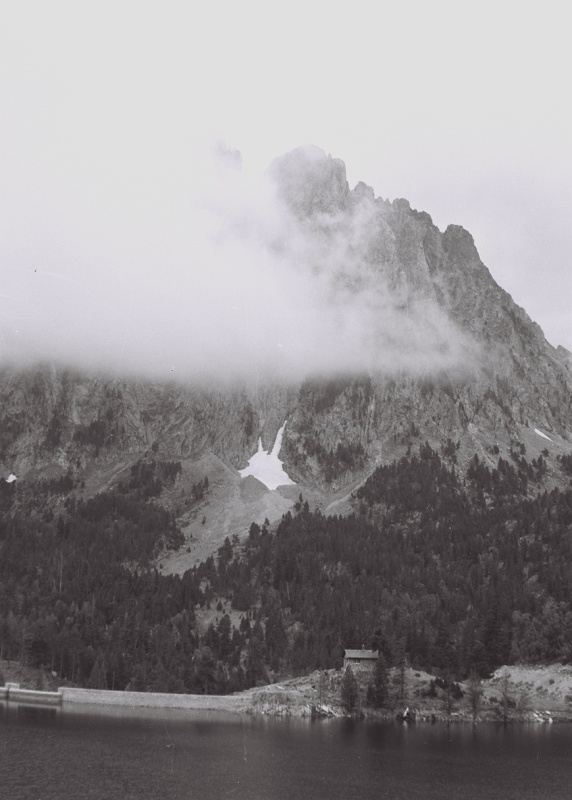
536	694
263	701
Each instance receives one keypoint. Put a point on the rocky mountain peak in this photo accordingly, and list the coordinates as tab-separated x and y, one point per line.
363	191
310	181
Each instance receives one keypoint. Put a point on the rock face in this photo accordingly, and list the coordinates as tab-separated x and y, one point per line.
492	379
53	415
512	380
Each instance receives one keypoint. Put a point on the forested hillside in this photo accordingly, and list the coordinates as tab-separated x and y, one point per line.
450	572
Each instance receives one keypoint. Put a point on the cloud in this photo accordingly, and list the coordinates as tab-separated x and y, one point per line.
210	272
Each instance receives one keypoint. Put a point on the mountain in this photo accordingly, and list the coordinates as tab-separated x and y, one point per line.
431	457
443	356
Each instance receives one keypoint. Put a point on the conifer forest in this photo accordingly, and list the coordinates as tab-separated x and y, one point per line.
452	572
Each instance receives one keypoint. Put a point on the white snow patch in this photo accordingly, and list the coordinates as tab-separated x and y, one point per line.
544	436
266	466
11	478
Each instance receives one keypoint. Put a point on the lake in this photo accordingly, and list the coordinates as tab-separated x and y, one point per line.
49	754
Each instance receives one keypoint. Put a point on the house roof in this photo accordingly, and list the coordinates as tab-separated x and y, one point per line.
365	654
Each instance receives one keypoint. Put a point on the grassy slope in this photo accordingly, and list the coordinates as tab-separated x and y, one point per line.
538	694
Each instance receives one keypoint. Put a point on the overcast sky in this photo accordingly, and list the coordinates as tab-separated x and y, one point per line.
109	203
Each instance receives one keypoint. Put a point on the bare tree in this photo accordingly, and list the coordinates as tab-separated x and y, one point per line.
321	687
507	700
400	677
474	694
523	703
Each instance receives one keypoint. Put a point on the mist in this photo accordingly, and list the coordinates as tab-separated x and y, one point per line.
205	273
127	244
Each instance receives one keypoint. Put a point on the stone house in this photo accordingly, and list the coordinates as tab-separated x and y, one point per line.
360	658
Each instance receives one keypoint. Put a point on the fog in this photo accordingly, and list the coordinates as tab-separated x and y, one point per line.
129	241
211	275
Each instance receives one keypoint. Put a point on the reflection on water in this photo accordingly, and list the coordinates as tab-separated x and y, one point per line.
31	714
148	753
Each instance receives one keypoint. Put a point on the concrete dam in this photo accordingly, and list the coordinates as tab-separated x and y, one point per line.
65	696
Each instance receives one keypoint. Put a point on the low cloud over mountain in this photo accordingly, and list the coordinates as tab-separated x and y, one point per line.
216	272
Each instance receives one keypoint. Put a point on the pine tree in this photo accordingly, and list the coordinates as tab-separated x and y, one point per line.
378	689
507	700
475	694
349	691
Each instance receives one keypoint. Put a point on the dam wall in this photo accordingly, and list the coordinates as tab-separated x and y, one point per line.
197	702
67	696
13	694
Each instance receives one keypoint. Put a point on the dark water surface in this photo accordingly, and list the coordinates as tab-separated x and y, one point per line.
47	754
